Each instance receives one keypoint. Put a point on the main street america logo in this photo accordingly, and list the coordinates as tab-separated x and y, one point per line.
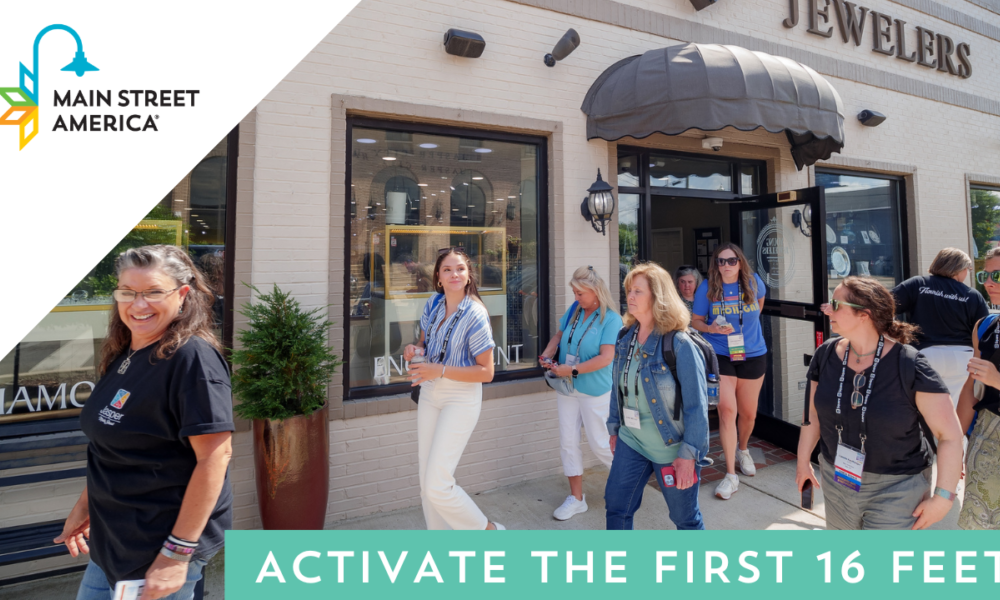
23	100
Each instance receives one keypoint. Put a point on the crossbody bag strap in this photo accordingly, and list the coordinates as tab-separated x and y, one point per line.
908	379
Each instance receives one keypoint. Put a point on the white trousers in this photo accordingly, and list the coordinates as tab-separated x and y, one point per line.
951	363
590	412
446	415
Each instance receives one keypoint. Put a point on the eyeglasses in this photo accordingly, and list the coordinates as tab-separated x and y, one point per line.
982	276
151	296
857	399
732	262
836	304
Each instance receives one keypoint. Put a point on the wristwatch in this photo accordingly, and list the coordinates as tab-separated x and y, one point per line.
575	372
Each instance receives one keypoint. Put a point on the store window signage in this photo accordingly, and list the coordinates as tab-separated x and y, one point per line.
886	34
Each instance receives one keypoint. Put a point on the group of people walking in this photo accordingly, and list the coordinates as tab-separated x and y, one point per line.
882	410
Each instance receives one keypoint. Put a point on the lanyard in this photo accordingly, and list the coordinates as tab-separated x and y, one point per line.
569	341
628	365
447	334
868	392
739	304
996	336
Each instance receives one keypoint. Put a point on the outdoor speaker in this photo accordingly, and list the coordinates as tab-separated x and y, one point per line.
464	43
700	4
567	44
870	118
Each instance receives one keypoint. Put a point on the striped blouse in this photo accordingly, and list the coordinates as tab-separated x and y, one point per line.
471	337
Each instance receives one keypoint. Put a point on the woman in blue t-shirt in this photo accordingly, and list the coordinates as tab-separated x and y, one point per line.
727	310
585	344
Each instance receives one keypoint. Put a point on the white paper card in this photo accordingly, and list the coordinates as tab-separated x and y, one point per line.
129	590
632	418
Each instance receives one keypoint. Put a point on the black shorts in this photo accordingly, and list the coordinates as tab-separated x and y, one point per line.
751	368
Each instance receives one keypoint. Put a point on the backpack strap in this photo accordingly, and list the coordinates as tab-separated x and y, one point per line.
908	379
985	324
670	358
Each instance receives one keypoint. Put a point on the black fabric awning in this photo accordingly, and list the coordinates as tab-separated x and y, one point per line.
710	87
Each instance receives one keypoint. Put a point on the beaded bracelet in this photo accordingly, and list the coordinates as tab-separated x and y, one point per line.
178	549
181	542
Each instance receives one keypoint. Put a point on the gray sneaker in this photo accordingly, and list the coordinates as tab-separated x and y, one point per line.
727	487
746	462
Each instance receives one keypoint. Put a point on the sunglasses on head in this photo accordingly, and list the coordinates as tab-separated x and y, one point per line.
732	262
836	304
450	249
982	276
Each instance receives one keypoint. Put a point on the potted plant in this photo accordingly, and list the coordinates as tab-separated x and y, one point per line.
284	366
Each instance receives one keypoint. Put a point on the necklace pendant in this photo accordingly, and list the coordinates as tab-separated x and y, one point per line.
124	367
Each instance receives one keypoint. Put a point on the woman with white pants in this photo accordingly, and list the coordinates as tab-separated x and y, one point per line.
946	310
585	344
458	342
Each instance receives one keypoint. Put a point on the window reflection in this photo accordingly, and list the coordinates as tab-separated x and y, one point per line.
687	173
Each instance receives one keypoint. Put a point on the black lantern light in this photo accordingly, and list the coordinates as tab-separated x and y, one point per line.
599	205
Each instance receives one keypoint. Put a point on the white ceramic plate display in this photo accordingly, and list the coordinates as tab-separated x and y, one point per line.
841	262
874	236
831	235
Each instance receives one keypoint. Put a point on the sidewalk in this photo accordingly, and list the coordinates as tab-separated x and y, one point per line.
768	500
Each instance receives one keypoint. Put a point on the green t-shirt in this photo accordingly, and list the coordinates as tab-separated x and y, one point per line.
647	440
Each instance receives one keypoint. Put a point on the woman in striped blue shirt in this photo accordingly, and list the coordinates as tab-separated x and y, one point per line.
456	336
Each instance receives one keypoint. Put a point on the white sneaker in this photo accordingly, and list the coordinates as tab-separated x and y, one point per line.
499	527
746	462
727	487
571	507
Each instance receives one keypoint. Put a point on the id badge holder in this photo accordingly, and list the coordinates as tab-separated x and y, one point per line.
572	360
848	466
632	418
737	352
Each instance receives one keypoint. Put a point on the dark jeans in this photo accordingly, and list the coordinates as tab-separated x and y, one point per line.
623	495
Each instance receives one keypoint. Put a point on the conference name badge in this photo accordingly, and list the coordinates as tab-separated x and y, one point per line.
632	418
848	467
572	360
737	351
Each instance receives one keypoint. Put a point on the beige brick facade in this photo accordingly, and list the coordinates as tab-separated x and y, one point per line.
386	60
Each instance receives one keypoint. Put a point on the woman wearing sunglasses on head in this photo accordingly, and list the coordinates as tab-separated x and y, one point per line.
946	310
456	341
876	402
981	509
727	310
159	424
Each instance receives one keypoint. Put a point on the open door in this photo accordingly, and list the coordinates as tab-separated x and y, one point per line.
782	237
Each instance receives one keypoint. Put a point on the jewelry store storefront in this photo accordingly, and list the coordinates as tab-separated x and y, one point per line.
827	138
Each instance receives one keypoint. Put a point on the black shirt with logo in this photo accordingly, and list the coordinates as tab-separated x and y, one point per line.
140	459
946	310
893	444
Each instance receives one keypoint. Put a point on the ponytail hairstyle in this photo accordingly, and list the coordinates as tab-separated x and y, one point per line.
880	306
586	278
195	319
470	287
748	283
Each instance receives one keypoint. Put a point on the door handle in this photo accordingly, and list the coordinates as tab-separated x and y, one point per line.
788	310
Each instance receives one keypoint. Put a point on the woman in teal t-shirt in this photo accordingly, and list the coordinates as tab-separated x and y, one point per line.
585	344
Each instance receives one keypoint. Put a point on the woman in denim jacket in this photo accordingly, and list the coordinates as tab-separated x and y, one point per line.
644	436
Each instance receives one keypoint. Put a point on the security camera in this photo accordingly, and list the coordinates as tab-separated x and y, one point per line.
566	44
712	143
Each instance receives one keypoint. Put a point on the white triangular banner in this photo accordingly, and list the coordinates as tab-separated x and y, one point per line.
67	197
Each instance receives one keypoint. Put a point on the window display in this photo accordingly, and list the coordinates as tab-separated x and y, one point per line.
51	372
863	231
415	192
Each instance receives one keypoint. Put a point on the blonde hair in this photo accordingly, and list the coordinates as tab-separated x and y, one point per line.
950	262
588	279
669	311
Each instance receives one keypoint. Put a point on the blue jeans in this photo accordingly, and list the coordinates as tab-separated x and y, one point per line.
95	584
623	495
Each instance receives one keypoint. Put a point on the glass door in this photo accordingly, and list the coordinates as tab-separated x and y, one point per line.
781	236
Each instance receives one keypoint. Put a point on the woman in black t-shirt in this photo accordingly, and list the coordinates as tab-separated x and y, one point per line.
871	399
159	424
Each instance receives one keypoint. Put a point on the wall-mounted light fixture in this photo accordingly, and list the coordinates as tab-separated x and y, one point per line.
803	220
700	4
566	45
599	205
464	43
870	118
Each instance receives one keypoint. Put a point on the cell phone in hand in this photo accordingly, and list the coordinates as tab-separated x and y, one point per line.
807	494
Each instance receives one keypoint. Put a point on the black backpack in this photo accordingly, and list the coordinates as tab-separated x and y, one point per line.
907	377
669	357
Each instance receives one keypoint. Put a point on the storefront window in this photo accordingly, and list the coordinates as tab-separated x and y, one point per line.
52	371
985	209
414	193
628	240
863	227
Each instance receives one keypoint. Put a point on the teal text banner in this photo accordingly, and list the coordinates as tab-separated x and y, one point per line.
594	564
